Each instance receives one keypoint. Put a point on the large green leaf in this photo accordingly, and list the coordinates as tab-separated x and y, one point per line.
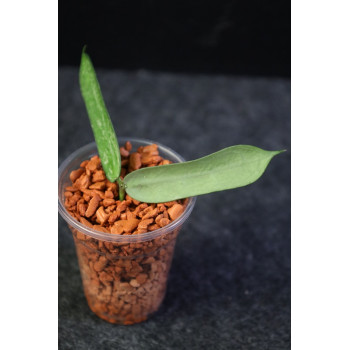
101	124
229	168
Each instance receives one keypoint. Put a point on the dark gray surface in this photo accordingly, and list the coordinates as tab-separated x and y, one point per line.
229	285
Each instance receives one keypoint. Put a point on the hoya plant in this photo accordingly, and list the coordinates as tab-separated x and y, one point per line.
229	168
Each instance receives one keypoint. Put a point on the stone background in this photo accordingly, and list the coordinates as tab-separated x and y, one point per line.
229	285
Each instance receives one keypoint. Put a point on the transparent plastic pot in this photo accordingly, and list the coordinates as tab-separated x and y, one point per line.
124	276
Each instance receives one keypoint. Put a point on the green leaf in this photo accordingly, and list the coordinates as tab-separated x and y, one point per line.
100	121
229	168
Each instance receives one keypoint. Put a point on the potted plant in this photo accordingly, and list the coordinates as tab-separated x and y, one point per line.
126	201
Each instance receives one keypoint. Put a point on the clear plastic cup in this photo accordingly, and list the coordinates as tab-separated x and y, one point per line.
124	276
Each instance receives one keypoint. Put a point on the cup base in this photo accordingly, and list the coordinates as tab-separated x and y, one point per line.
123	320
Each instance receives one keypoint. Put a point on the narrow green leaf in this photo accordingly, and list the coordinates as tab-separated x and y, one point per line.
100	121
229	168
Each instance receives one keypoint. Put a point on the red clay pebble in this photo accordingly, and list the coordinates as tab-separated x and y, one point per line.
123	282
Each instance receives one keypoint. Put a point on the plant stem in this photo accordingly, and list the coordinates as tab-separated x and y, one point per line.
121	186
